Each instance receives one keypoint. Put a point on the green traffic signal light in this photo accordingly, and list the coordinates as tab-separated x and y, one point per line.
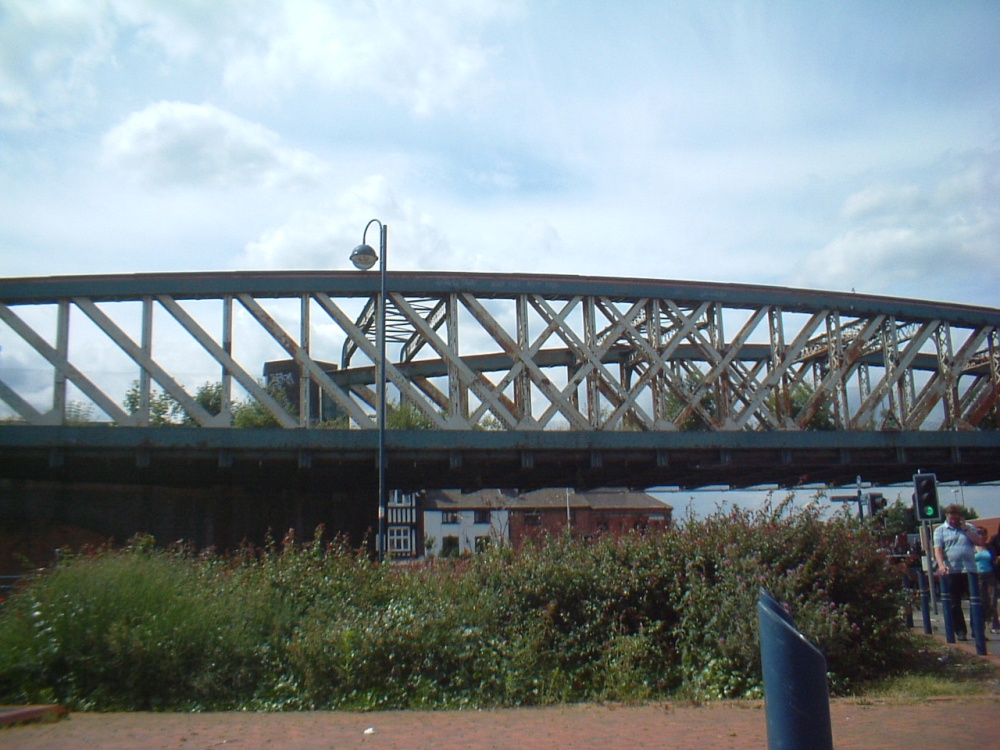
926	497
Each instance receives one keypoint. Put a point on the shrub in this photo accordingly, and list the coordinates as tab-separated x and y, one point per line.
842	593
117	630
318	625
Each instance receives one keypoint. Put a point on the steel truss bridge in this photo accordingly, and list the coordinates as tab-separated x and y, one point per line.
505	380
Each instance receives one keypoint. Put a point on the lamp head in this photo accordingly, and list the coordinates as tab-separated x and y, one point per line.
364	257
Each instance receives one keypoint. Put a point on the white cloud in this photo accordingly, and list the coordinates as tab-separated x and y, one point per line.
48	52
175	143
324	238
426	56
881	200
187	29
922	234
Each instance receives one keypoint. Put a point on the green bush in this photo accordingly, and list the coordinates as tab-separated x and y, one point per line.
140	628
298	625
841	592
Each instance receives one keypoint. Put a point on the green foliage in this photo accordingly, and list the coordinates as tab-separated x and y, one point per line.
677	404
209	398
489	423
899	518
317	625
79	413
840	590
406	416
798	398
137	629
165	410
251	413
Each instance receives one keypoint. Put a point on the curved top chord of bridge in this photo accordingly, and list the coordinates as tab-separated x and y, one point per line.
495	381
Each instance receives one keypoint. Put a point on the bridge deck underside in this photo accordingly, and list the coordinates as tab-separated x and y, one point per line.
419	460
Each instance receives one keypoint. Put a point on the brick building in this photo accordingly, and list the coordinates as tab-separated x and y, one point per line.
456	523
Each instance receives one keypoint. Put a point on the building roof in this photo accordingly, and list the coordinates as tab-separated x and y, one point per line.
603	499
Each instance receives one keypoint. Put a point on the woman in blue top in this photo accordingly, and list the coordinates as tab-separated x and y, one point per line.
987	584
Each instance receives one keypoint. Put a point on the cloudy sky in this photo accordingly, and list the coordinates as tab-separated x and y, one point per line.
848	145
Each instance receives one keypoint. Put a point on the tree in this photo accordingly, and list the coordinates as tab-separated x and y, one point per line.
209	398
900	518
676	404
79	413
799	397
163	408
251	413
489	423
991	421
406	416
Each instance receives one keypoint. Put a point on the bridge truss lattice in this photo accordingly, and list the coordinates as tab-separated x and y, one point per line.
517	354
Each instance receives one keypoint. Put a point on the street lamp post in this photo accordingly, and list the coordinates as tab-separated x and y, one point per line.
364	257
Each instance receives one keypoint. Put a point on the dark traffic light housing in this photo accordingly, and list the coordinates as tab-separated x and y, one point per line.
925	494
876	503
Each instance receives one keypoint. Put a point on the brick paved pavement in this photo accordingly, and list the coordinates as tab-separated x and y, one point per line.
955	724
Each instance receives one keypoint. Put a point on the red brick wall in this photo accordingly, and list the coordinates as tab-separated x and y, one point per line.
585	521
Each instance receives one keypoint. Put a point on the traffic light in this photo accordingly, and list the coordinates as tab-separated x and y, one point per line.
926	497
876	503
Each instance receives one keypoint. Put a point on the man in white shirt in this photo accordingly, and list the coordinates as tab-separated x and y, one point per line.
955	550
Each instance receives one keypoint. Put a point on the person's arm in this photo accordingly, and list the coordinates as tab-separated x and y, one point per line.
976	535
939	553
939	556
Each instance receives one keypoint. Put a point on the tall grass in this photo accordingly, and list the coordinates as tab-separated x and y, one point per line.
318	625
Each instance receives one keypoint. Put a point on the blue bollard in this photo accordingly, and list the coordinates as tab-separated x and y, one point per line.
796	697
925	596
977	617
949	626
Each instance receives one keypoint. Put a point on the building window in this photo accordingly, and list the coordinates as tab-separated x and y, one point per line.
449	516
533	518
400	540
399	514
484	516
449	546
